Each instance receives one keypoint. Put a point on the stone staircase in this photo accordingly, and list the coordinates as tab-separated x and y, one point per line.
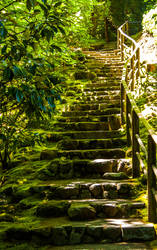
84	193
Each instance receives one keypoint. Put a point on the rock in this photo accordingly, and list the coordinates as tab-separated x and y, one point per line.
77	235
85	194
48	154
66	192
112	233
124	188
52	209
110	191
124	165
110	210
115	176
95	232
114	122
59	236
138	231
102	165
96	190
78	211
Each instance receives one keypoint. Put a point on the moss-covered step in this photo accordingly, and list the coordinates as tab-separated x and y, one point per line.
98	99
107	111
82	210
57	136
61	231
100	83
81	126
91	144
92	106
115	153
100	89
74	189
92	93
113	120
100	93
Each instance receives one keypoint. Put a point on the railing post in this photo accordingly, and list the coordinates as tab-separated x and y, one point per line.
138	62
122	99
118	42
132	74
128	125
122	47
151	180
135	145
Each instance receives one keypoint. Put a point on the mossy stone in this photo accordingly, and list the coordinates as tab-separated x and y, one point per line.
52	209
81	212
115	176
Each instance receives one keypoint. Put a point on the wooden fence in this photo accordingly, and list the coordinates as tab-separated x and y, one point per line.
143	157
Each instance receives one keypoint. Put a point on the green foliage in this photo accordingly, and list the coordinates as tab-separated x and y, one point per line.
150	22
28	75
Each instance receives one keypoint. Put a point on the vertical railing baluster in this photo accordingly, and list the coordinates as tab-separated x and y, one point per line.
122	47
128	125
135	145
138	63
133	73
151	180
122	102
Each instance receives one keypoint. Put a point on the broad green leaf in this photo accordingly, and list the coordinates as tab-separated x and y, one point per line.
19	95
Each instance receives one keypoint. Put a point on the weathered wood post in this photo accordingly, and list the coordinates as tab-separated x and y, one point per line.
128	125
122	99
151	180
135	145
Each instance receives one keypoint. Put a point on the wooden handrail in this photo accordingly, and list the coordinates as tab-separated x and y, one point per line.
131	115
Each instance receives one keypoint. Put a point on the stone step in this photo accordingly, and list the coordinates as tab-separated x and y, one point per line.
88	209
91	144
112	120
95	93
77	189
115	153
60	232
101	89
100	93
91	106
101	83
98	99
57	136
107	111
59	169
114	76
81	126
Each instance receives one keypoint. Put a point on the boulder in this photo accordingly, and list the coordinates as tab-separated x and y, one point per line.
96	190
79	212
77	235
59	236
138	231
52	209
66	192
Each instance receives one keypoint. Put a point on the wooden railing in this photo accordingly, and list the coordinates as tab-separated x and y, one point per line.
143	156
